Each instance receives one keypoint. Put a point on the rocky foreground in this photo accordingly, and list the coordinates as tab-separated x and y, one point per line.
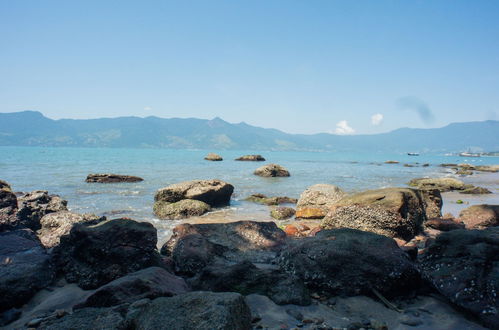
380	259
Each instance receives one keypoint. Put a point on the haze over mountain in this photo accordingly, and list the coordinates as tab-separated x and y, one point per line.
31	128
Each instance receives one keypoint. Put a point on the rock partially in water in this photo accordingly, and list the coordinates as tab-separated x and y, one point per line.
277	200
112	178
251	158
463	265
25	267
212	192
8	207
282	213
476	191
442	184
272	170
54	225
480	216
213	157
180	210
392	162
34	205
93	255
487	168
316	201
350	262
149	283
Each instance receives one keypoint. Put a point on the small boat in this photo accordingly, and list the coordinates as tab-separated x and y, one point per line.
413	154
469	154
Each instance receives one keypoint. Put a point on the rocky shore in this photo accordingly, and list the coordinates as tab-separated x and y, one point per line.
377	259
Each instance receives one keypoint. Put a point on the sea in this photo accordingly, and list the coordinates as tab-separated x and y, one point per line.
62	171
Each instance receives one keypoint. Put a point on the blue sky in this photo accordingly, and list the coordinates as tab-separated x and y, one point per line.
299	66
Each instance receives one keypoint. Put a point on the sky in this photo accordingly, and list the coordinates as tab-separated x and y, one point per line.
343	67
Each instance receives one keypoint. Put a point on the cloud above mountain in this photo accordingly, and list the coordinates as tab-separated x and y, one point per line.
342	128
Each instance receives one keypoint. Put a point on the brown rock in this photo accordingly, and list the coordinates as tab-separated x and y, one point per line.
263	199
213	157
310	213
480	216
272	170
316	201
444	224
281	213
112	178
392	162
212	192
251	158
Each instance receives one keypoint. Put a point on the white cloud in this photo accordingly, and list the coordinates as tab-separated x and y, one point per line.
147	108
342	128
376	119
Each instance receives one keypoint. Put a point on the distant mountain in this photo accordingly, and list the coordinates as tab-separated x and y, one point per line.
31	128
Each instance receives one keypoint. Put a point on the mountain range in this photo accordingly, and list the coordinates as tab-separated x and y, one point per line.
32	128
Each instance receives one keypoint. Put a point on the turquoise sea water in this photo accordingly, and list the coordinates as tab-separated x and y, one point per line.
63	171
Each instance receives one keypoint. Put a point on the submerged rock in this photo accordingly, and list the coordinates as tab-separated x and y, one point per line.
463	265
350	262
112	178
272	170
34	205
251	158
25	267
480	216
316	201
180	210
93	255
213	157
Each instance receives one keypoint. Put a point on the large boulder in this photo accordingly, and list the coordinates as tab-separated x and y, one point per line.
34	205
480	216
54	225
213	157
93	255
394	212
272	170
463	265
193	247
442	184
112	178
180	210
251	158
8	207
149	283
212	192
25	267
193	311
350	262
316	201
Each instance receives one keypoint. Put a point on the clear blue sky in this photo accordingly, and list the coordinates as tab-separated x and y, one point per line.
299	66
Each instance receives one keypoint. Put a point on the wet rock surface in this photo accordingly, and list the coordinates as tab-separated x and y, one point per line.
272	170
112	178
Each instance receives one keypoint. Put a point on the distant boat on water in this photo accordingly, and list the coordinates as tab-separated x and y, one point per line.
469	154
413	153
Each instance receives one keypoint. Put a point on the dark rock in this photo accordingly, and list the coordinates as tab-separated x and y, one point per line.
245	278
112	178
394	212
180	210
444	224
86	318
193	311
316	201
350	262
251	158
9	316
97	254
463	265
442	184
271	170
281	213
212	192
213	157
8	207
34	205
149	283
193	247
54	225
25	267
277	200
480	216
476	191
433	202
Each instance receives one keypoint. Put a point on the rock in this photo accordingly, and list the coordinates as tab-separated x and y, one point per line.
463	265
449	165
193	247
8	207
213	157
350	262
192	311
112	178
54	225
476	191
212	192
442	184
251	158
245	278
272	170
394	212
180	210
262	199
149	283
391	162
409	165
34	205
291	230
462	172
93	255
480	216
315	201
281	213
444	224
433	203
487	168
25	267
86	318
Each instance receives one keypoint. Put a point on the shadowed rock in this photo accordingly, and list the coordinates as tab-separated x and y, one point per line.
8	207
34	205
112	178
